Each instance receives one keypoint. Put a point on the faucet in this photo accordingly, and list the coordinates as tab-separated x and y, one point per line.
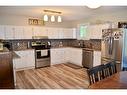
79	44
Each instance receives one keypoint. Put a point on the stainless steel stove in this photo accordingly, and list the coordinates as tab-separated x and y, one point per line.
42	54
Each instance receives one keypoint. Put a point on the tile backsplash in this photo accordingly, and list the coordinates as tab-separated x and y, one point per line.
25	44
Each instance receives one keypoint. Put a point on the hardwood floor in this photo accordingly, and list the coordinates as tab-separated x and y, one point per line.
58	76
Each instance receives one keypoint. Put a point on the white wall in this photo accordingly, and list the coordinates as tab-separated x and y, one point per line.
101	18
22	20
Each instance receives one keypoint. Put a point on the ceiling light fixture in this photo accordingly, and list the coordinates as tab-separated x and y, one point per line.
93	6
52	18
50	12
45	18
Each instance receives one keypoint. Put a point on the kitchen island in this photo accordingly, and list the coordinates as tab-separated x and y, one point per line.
7	72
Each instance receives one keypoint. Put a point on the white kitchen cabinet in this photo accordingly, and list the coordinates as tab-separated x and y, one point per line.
74	55
69	33
2	32
43	31
64	55
27	32
53	33
18	32
36	31
96	30
9	32
57	56
26	60
96	58
61	33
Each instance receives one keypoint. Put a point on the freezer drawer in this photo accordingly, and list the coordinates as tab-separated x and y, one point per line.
87	58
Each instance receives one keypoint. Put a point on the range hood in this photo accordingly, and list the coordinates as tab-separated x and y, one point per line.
39	37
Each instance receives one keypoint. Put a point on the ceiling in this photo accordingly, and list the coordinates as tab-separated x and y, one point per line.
69	13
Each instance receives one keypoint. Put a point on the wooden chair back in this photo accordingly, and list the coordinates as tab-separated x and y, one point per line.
95	74
109	69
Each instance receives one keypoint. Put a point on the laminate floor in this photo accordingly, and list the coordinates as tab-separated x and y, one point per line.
58	76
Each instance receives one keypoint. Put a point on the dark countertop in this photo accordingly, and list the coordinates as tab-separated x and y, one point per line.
62	47
15	56
77	48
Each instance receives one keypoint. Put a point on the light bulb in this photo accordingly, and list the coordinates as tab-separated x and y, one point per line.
52	18
59	19
45	18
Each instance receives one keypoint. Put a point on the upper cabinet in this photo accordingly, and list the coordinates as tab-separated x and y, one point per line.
87	31
9	32
2	32
95	31
69	33
26	32
18	32
53	33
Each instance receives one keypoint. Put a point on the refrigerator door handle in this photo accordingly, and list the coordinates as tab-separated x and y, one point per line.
112	42
109	44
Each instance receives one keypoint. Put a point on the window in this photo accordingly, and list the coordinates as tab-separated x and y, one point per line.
83	31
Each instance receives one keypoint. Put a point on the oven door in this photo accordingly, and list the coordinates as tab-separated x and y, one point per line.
42	58
42	53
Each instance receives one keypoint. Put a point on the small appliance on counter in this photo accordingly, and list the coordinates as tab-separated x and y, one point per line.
8	45
1	46
42	53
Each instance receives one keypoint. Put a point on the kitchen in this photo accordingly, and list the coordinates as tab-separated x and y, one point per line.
55	54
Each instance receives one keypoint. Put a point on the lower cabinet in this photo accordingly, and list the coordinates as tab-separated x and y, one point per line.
96	58
57	56
72	55
26	59
64	55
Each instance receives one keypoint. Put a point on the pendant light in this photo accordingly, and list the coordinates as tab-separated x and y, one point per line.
59	19
45	18
52	18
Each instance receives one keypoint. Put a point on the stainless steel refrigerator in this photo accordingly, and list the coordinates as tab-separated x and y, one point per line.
111	45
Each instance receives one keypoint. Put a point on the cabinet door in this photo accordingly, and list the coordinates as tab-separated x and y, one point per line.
96	30
18	32
2	32
30	58
53	33
75	56
54	56
68	33
19	61
92	30
61	33
97	58
74	30
43	31
57	56
36	31
9	32
27	31
26	60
